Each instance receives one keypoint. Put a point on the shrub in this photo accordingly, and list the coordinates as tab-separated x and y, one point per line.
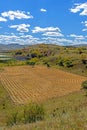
33	55
36	53
84	84
12	119
48	65
32	62
68	63
60	61
33	113
84	61
83	58
18	53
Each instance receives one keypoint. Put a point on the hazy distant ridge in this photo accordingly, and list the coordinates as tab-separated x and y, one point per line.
4	47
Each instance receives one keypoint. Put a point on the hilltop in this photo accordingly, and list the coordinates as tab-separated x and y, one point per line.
68	58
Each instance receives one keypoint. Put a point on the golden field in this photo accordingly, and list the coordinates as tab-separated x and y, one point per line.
25	83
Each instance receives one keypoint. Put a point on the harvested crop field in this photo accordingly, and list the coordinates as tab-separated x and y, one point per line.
25	84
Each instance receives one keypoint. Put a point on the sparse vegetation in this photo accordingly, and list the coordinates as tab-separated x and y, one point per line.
60	103
33	113
72	59
29	114
84	84
68	112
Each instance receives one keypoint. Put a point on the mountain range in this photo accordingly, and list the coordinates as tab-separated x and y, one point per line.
7	47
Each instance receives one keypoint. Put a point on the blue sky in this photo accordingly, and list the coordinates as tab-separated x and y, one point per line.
62	22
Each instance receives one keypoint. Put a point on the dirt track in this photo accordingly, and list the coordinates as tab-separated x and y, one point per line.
25	83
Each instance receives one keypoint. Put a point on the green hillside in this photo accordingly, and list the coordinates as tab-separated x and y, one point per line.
60	113
72	59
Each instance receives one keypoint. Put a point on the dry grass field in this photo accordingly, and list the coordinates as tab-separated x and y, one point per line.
25	84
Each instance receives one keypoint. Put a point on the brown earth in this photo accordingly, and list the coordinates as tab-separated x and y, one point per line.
25	84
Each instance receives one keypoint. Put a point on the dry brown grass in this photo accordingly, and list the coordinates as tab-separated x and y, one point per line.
25	84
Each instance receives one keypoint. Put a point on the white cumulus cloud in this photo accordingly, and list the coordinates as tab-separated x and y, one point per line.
47	29
43	10
17	14
58	41
82	8
85	24
21	27
77	37
2	19
53	34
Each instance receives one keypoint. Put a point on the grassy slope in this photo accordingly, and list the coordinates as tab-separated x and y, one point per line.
62	113
5	104
67	112
51	54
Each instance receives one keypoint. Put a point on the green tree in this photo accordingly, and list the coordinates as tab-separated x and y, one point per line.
60	61
32	61
84	84
68	63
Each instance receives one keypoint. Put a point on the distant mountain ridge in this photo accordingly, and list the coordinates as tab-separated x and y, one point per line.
4	47
79	45
7	47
